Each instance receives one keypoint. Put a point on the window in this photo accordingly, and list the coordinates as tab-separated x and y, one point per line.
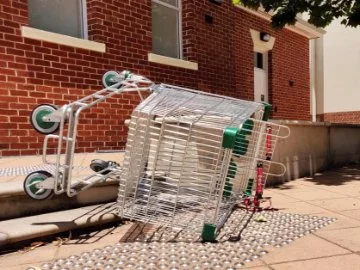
67	17
259	60
166	28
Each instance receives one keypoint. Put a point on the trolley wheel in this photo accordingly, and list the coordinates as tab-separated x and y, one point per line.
31	188
37	121
98	165
209	233
107	78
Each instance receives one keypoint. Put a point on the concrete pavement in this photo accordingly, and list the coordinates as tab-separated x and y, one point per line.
334	193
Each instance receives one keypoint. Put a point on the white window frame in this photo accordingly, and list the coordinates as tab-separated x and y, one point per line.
179	27
52	37
83	21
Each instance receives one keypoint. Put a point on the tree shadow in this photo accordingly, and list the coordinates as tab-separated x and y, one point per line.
81	235
336	177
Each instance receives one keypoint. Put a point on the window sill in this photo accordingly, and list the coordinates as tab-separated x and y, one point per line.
33	33
159	59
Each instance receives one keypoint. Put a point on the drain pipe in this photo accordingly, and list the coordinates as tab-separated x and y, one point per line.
313	79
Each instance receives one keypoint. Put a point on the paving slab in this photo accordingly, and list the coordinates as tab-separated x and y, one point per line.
345	262
15	230
23	259
338	204
279	198
348	238
314	195
342	221
297	207
88	242
258	268
354	214
305	248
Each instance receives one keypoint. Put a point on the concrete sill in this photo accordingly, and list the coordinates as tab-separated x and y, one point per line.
33	33
159	59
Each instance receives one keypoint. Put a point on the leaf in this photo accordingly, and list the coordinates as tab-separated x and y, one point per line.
260	219
60	241
322	12
33	246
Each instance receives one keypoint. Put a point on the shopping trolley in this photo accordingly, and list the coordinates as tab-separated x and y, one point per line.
48	119
190	156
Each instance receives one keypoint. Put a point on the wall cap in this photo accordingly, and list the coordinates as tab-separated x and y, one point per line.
160	59
301	27
313	124
33	33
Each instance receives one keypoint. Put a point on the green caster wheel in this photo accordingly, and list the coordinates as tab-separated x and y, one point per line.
31	188
108	78
208	233
37	119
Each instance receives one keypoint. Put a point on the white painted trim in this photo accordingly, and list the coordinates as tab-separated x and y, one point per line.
84	23
175	62
259	45
301	27
42	35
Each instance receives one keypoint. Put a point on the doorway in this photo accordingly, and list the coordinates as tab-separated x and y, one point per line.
261	82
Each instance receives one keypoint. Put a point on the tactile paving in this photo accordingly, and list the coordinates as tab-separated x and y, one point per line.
246	236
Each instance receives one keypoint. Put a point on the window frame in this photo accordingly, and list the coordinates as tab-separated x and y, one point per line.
179	26
83	22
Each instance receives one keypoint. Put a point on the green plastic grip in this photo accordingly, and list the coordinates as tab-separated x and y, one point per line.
267	110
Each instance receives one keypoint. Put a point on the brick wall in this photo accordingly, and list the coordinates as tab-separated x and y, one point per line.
34	72
289	70
341	117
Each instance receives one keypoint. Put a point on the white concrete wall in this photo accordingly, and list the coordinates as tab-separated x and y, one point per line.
314	147
341	49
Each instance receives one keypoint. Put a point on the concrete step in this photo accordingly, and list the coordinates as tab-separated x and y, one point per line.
15	203
27	228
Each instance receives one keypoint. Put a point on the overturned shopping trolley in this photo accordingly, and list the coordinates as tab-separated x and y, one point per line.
190	156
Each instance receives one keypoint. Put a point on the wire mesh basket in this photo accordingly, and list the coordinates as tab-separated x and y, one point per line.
191	155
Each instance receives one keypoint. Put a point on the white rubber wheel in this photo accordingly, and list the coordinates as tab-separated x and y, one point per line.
107	78
39	124
31	188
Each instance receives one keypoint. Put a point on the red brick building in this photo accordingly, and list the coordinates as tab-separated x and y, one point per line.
55	53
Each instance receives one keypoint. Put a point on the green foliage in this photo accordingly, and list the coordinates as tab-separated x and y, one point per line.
321	12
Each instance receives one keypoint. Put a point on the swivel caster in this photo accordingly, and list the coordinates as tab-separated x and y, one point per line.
108	78
31	185
98	165
37	119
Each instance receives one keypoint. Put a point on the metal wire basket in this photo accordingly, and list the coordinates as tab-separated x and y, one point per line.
191	155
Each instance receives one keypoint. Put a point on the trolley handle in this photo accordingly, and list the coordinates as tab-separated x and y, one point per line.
287	129
127	77
282	166
45	147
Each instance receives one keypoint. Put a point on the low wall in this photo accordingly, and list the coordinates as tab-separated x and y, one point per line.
314	147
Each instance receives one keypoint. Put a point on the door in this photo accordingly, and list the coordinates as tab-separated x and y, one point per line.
261	84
